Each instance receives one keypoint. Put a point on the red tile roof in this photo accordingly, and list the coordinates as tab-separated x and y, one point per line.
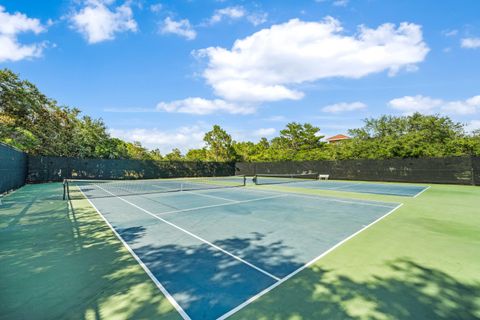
338	137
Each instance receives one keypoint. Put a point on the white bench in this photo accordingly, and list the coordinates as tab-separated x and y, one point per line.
323	176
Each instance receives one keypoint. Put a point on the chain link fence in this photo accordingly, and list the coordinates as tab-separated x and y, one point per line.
452	170
13	168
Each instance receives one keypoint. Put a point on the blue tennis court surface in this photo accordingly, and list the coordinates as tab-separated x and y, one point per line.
362	187
210	251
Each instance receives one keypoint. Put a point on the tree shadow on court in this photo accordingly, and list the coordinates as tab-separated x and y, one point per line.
205	280
63	262
409	291
272	257
131	234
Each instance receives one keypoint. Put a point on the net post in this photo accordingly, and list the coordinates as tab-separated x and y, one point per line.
65	189
244	180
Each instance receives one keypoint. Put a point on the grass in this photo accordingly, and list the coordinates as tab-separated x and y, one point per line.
420	262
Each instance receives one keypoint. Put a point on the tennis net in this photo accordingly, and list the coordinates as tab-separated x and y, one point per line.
79	189
283	178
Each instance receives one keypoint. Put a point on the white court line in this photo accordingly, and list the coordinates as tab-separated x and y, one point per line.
421	191
209	196
194	236
169	297
387	193
344	186
221	204
321	197
276	284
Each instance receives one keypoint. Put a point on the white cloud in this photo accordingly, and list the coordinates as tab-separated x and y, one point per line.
336	3
470	43
276	119
418	103
267	65
236	13
450	33
251	134
264	132
475	100
344	107
340	3
11	25
157	7
428	105
97	23
183	138
202	106
469	106
257	18
182	28
229	12
472	126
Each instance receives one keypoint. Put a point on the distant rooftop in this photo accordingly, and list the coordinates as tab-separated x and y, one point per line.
337	138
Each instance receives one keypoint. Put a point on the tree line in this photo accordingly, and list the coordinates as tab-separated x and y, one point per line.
36	124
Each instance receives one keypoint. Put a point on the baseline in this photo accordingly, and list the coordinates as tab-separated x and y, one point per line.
425	189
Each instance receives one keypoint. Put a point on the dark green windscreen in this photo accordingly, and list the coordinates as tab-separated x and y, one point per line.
476	170
455	170
13	168
43	169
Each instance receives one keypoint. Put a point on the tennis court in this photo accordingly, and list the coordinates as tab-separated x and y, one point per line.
213	250
311	181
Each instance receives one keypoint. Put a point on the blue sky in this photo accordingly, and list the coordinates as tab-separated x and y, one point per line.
163	72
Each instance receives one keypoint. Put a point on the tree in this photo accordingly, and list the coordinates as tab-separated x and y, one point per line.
245	150
91	139
219	145
29	119
175	155
296	142
34	123
156	154
196	155
472	143
135	150
407	136
297	136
